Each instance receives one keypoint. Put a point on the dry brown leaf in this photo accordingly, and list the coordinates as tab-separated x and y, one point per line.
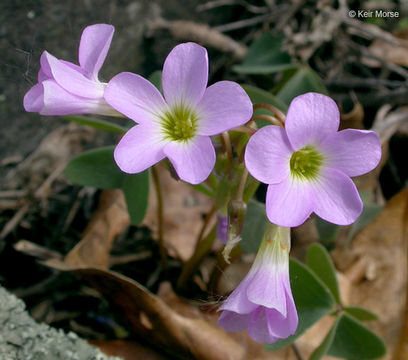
376	263
128	350
354	118
183	209
150	317
396	54
110	219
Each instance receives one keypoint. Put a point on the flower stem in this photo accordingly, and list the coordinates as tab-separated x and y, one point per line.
272	119
208	217
160	240
226	142
191	265
274	110
241	186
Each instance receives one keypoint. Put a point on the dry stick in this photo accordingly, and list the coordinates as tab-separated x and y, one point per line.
162	249
244	23
14	221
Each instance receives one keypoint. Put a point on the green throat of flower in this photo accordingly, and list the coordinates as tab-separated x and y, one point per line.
179	123
305	163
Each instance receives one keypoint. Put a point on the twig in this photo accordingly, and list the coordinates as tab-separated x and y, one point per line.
203	34
218	3
370	31
244	23
38	251
124	259
12	194
162	249
14	221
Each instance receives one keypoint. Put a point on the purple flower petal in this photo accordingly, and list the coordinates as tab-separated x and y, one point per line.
233	322
354	152
258	328
283	326
140	148
70	79
238	301
310	119
193	160
42	76
34	99
57	101
267	289
185	74
289	203
135	97
336	197
93	48
224	106
267	155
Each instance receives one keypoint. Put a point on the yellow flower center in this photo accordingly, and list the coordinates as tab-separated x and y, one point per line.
306	162
179	123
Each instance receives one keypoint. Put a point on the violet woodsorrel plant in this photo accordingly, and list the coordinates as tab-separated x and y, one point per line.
305	162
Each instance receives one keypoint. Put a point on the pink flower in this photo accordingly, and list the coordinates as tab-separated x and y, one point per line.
179	125
308	164
64	88
263	301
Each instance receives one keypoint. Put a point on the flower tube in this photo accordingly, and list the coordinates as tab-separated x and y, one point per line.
263	301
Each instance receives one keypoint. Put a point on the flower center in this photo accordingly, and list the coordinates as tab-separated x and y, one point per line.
179	123
306	162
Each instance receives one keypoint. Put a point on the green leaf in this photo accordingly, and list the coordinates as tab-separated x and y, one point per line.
155	79
318	259
254	226
354	341
313	301
95	168
96	123
326	343
305	80
327	231
265	56
360	313
259	96
136	190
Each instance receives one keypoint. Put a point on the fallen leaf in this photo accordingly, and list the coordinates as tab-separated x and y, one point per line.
396	54
376	263
127	350
109	220
183	209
